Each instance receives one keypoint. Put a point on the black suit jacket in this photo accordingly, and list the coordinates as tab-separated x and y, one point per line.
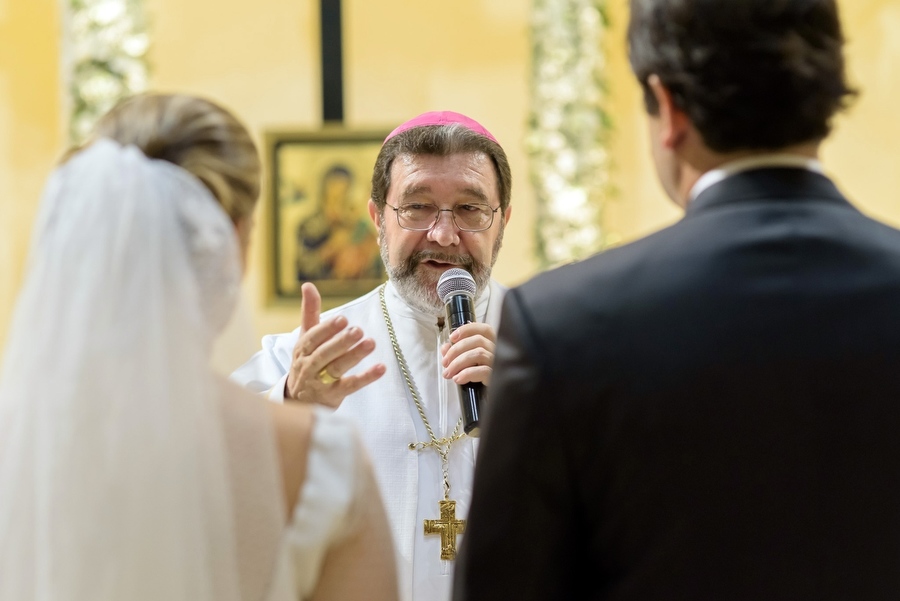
712	412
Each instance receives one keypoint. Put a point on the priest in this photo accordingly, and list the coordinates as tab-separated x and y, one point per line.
440	200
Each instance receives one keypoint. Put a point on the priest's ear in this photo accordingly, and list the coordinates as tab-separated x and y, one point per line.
376	215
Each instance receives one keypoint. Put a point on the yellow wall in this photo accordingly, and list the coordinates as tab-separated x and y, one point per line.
401	58
30	129
862	154
639	205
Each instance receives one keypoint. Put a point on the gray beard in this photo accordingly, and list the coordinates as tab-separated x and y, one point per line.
419	289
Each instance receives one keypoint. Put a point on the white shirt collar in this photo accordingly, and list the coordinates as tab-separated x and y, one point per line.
760	161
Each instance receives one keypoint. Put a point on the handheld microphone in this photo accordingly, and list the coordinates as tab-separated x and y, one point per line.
456	289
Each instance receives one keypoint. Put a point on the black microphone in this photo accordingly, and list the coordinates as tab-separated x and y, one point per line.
456	289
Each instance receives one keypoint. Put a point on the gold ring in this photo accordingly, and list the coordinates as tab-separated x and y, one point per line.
326	378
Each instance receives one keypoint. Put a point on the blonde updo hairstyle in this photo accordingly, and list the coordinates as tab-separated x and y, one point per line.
196	134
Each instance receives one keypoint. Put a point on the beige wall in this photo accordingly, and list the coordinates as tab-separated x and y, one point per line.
862	155
30	129
401	58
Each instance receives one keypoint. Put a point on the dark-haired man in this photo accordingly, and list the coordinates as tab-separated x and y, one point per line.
711	412
440	199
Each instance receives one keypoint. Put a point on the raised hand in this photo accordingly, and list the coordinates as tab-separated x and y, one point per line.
324	353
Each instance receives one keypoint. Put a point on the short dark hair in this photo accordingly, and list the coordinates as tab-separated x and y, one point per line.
439	140
750	74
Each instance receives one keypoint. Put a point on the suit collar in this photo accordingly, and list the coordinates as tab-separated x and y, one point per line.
766	184
756	161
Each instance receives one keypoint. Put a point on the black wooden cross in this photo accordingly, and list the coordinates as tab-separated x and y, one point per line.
332	62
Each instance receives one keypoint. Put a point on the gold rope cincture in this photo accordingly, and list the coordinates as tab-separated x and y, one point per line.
448	526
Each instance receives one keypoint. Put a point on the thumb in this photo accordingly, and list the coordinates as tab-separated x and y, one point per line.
312	306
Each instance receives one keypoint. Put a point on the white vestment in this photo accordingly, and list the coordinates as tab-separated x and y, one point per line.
411	481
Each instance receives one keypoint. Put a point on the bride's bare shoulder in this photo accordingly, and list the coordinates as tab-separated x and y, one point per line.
291	425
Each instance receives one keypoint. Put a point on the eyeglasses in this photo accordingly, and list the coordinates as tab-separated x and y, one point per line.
419	217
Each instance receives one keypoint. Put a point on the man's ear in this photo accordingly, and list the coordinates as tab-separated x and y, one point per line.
375	215
674	123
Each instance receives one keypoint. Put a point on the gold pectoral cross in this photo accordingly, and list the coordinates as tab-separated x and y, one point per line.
448	527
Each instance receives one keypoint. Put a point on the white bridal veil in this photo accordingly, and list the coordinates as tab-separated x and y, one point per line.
113	475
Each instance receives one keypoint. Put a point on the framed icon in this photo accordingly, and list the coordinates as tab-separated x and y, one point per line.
319	187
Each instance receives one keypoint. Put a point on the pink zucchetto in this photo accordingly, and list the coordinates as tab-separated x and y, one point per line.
442	118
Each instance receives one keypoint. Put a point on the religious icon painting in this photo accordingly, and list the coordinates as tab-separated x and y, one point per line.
319	186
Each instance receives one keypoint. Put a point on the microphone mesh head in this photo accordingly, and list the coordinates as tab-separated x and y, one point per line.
455	281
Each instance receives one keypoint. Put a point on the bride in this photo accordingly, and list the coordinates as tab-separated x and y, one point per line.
128	470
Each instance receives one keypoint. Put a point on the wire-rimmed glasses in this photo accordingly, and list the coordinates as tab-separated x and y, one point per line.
469	217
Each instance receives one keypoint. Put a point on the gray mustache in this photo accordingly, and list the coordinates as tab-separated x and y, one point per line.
425	255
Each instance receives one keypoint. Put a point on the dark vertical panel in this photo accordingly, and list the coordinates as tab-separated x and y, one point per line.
332	62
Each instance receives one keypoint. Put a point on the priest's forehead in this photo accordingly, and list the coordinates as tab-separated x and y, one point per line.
459	178
439	140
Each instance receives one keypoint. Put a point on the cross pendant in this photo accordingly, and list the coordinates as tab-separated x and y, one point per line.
448	527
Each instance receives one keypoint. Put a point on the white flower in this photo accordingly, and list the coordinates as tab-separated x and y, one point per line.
569	163
107	56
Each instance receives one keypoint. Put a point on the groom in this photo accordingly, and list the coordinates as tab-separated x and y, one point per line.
712	412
